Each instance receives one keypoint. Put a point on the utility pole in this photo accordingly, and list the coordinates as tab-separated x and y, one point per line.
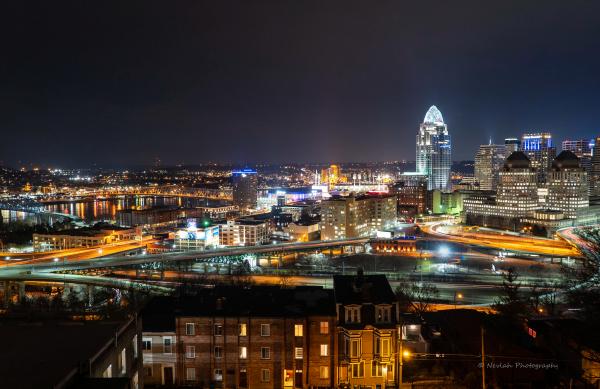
482	359
401	354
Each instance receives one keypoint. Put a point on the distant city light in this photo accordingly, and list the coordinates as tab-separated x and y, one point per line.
444	251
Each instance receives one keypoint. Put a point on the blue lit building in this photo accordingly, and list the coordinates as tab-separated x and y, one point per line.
434	150
541	152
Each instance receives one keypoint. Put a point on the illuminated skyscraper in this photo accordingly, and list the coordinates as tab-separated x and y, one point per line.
595	169
512	145
582	148
488	163
434	150
541	152
245	183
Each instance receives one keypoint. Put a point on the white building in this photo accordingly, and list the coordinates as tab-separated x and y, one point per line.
197	239
434	150
244	232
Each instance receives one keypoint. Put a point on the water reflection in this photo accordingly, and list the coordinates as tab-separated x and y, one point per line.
105	209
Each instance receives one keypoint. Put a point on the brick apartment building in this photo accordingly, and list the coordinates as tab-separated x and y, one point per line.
271	337
262	337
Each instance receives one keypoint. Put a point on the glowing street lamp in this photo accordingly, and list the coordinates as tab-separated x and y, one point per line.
457	296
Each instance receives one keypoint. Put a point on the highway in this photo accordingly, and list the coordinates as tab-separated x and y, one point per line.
73	254
533	245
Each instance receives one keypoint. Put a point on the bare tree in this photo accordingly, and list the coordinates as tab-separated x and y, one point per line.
417	296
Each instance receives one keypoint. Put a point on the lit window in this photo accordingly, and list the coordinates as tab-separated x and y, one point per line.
243	329
324	328
324	350
243	352
298	329
298	352
324	372
218	375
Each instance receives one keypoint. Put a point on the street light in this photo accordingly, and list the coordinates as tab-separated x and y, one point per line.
457	296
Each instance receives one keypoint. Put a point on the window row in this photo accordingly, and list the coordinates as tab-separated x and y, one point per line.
265	329
265	375
265	352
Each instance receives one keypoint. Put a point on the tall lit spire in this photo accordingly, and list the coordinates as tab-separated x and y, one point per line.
433	115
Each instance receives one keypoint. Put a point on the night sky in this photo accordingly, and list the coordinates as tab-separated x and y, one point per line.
118	83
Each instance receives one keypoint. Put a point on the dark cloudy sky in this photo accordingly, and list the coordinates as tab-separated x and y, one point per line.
120	82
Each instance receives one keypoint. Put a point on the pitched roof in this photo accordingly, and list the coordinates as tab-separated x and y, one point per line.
361	289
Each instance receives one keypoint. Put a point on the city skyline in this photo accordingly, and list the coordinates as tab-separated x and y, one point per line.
190	89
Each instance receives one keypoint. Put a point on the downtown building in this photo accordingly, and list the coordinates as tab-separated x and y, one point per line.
434	150
244	232
511	145
488	163
357	216
245	189
516	197
567	185
583	149
595	170
540	150
411	193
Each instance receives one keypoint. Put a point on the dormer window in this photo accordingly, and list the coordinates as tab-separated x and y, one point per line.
352	314
383	313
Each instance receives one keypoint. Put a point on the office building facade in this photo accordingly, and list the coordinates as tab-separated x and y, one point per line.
541	152
567	185
488	163
245	187
434	150
511	145
516	197
411	193
356	216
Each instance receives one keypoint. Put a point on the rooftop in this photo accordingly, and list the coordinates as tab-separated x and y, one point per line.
359	289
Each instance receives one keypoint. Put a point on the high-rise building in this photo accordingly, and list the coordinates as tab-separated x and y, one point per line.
517	196
488	163
595	169
582	148
245	185
352	217
434	150
567	185
512	145
541	152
